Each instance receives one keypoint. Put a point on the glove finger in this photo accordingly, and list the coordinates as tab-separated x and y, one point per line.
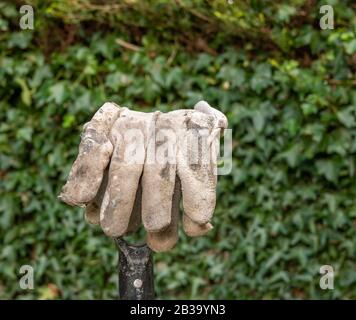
196	168
166	239
129	135
92	210
220	120
193	229
158	177
94	154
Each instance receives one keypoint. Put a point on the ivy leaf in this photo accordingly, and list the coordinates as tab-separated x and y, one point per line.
58	92
68	120
25	134
26	95
258	120
348	116
293	155
329	169
261	78
350	47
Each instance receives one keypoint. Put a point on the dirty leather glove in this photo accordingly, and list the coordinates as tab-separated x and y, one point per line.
133	165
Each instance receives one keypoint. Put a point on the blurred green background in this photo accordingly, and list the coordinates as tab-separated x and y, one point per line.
288	89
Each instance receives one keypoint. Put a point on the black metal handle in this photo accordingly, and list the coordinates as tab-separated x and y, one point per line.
135	271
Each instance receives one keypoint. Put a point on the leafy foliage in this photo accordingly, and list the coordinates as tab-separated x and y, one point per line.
288	89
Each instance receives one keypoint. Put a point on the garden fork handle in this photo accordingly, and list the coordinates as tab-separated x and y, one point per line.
135	270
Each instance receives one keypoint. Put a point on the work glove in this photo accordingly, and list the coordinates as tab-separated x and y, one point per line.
134	167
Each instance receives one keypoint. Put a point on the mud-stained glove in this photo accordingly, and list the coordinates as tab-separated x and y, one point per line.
139	165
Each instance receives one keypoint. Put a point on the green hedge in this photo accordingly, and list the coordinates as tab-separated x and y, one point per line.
288	88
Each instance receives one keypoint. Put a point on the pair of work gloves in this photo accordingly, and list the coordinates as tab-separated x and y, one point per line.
133	167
